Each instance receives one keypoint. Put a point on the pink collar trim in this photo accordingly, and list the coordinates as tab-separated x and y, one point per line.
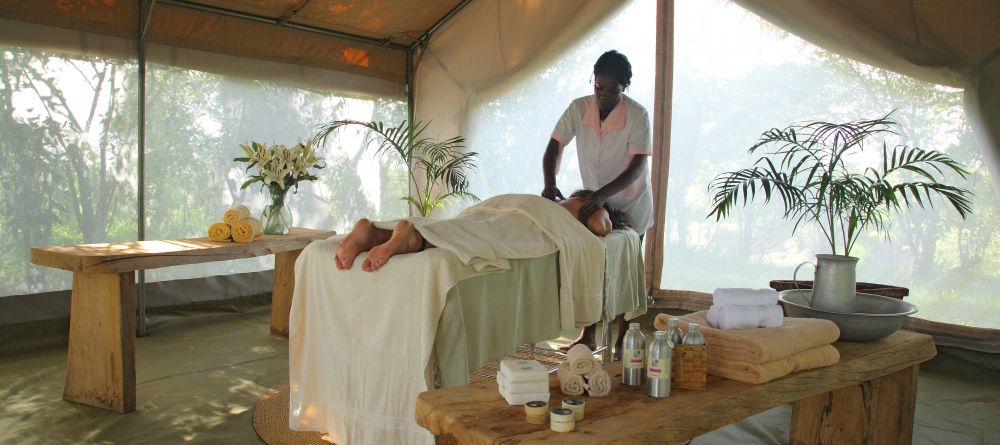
614	121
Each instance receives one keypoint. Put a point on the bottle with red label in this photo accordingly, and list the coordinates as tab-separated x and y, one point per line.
633	356
659	358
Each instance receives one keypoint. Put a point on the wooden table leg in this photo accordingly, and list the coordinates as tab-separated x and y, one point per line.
281	295
100	366
879	411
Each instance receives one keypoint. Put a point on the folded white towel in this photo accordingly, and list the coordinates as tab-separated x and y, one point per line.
745	317
521	399
743	296
508	387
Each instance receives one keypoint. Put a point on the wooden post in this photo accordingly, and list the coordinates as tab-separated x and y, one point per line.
281	295
100	367
878	411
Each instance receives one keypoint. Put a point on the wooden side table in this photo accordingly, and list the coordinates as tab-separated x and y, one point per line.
100	365
869	397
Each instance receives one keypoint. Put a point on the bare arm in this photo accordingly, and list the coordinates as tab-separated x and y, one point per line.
550	166
597	199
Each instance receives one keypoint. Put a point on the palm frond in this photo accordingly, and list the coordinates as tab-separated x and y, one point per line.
806	167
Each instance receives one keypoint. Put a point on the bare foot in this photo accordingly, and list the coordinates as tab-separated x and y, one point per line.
586	338
363	237
404	239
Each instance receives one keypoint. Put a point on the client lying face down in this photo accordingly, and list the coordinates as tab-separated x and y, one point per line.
382	244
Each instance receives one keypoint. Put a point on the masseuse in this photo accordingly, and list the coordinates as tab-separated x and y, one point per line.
613	142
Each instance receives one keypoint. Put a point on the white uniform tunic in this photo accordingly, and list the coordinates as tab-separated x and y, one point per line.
605	149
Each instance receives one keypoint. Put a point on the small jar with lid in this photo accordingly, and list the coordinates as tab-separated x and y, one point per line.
562	420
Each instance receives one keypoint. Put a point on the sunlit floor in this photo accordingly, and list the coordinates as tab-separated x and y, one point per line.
199	374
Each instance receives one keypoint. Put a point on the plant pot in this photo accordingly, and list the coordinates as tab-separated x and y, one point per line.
884	290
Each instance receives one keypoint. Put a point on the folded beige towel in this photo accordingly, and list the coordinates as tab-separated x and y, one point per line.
758	373
236	213
598	383
220	231
760	345
246	230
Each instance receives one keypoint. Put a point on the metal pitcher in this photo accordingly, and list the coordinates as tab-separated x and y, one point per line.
834	285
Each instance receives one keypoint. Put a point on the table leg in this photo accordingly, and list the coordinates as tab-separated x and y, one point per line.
100	365
879	411
281	295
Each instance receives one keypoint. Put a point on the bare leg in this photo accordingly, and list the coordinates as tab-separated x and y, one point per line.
404	239
363	237
586	338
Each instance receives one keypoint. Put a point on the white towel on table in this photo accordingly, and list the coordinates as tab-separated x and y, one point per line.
744	296
745	316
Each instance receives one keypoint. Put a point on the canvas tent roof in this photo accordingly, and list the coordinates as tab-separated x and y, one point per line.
367	39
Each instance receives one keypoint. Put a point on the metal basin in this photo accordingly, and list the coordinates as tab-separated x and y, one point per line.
874	316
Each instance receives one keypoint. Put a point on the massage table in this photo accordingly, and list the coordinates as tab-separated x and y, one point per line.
476	328
359	355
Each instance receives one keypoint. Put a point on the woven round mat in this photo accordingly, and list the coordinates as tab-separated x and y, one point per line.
270	420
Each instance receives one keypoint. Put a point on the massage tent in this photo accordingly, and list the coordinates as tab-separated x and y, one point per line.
444	61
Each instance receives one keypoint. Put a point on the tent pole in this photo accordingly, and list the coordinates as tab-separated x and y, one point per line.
145	12
409	85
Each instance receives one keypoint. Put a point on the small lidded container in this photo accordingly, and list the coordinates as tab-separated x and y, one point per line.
575	405
536	412
561	420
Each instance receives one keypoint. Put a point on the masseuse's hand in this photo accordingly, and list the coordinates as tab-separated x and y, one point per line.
591	203
553	193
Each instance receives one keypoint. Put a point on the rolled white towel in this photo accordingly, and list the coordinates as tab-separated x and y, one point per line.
574	385
581	359
599	383
745	316
579	350
724	296
564	371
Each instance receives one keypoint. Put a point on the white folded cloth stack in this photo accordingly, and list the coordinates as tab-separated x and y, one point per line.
740	308
523	381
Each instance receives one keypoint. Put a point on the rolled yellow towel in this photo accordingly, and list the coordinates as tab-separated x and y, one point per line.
246	230
581	359
220	231
236	213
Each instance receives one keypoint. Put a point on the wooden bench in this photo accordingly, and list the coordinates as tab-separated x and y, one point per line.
869	397
100	366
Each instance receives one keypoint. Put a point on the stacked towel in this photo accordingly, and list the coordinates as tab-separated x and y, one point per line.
744	297
236	213
736	308
246	230
220	231
580	372
236	225
745	317
523	381
764	354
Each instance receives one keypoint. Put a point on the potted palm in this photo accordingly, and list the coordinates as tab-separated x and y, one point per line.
443	166
810	168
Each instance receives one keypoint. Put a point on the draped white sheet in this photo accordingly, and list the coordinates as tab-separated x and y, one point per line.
359	342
